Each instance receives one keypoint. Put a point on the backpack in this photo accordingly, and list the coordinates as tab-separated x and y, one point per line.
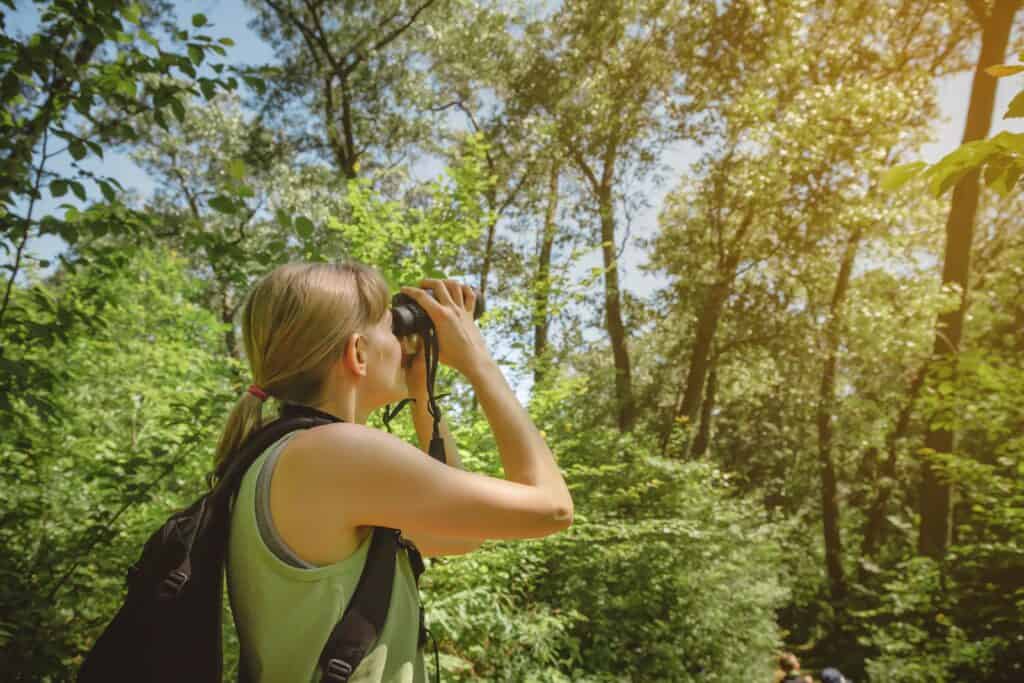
169	626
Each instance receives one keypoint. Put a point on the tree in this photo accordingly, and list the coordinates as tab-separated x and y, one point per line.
76	84
473	87
542	284
762	102
933	537
603	76
359	58
231	195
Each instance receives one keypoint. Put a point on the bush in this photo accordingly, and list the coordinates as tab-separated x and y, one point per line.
665	574
125	439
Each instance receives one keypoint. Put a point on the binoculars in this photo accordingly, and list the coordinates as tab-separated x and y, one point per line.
408	318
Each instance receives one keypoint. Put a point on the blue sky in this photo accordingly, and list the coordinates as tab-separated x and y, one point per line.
230	19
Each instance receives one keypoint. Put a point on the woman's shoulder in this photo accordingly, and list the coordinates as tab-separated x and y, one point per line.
346	454
313	483
334	440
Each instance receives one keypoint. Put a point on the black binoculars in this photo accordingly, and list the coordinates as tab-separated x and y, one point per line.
408	317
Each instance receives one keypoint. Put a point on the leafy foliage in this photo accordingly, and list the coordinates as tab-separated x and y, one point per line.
665	575
784	327
1000	158
132	415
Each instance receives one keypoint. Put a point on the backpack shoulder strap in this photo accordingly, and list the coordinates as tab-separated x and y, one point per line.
363	620
293	417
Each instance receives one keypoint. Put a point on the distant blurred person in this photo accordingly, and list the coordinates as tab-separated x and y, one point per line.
789	669
830	675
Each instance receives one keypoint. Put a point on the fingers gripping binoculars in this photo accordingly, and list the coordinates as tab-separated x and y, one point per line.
409	318
408	322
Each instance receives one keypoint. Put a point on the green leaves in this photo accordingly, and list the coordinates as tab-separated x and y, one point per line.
208	88
77	150
94	358
132	13
78	189
223	204
236	169
898	176
177	108
199	20
1003	70
304	227
257	84
1016	108
1001	159
108	190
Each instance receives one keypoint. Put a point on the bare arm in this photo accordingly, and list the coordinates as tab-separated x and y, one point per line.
424	424
430	545
525	455
366	477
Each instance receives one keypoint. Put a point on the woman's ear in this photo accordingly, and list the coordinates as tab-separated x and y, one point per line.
355	355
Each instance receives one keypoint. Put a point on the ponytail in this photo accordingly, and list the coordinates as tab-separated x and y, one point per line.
296	322
245	418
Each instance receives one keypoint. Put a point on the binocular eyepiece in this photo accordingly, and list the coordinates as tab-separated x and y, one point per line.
408	317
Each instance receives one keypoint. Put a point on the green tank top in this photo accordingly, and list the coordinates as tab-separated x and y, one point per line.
284	614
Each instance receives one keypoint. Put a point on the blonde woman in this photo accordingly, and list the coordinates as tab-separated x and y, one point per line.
319	335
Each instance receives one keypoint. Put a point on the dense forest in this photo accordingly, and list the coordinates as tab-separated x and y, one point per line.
793	423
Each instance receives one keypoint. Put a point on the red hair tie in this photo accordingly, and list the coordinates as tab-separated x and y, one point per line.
257	392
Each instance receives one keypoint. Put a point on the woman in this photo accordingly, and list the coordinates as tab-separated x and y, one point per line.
789	669
320	335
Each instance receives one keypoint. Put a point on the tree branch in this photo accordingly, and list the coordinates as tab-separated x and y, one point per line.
357	50
26	224
977	8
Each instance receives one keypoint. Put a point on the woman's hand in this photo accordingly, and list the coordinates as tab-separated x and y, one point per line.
460	344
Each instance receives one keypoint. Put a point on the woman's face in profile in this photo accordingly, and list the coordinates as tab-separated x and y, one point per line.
384	357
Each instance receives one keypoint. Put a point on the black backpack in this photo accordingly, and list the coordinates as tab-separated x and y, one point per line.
169	627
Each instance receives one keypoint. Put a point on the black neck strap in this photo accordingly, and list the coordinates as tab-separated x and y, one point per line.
290	410
432	351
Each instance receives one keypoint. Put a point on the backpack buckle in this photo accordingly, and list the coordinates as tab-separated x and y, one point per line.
172	585
337	671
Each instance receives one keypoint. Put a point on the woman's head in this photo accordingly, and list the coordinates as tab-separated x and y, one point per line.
789	663
317	334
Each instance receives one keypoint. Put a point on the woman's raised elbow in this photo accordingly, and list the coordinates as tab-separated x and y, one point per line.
547	520
562	516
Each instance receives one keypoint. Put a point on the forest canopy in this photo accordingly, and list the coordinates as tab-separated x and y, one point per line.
777	352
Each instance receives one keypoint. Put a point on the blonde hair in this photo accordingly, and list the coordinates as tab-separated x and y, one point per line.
788	662
296	322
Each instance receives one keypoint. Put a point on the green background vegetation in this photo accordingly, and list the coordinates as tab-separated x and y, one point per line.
807	436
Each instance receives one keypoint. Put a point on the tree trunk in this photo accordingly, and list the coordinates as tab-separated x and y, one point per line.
703	439
342	144
688	403
542	286
613	313
874	525
485	267
707	326
825	416
933	537
227	316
